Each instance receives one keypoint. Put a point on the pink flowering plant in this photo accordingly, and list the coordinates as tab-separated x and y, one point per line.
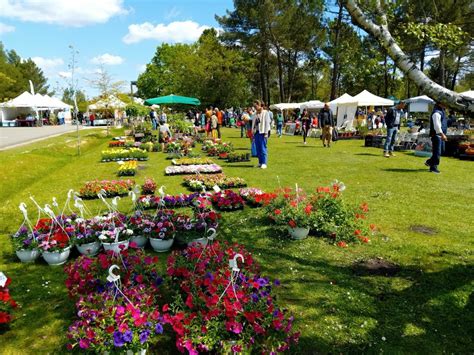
209	314
252	196
149	186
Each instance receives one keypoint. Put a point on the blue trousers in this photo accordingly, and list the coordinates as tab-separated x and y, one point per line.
391	138
279	127
261	145
438	147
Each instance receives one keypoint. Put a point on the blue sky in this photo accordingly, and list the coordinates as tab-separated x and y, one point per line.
121	35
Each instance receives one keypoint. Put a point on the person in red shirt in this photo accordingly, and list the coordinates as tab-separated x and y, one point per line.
92	118
220	118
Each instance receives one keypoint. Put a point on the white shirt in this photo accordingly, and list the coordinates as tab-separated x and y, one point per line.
436	117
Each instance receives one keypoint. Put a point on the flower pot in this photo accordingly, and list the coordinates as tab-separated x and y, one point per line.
90	249
161	245
139	240
57	257
115	246
202	241
28	256
298	233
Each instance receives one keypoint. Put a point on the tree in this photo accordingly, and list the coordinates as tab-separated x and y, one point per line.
104	83
68	97
375	23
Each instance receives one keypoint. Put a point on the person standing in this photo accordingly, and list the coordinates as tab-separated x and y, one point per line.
279	123
163	117
326	122
393	119
92	118
220	118
305	124
438	130
214	125
244	118
154	123
260	127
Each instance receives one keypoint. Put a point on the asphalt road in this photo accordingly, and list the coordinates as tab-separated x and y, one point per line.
15	136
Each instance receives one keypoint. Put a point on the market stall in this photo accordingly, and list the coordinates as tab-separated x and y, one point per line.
344	109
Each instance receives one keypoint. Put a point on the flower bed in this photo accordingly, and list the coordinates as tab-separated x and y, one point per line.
129	168
212	315
124	154
220	149
227	200
189	228
193	169
116	144
238	157
111	187
199	182
192	161
7	304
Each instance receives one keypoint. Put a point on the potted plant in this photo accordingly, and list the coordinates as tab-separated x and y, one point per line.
138	223
55	246
227	200
161	231
252	196
115	234
85	237
25	245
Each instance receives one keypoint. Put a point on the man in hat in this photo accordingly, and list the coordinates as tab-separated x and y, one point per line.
438	129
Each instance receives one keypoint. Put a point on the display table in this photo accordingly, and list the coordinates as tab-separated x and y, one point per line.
25	123
7	123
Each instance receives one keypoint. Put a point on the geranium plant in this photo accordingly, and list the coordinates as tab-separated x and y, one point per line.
227	200
112	188
149	186
7	303
251	195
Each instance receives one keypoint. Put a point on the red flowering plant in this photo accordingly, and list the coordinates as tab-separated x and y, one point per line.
7	304
53	235
338	221
149	186
212	314
251	195
87	275
196	226
291	208
227	200
115	321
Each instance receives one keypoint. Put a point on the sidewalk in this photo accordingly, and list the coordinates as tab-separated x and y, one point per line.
11	137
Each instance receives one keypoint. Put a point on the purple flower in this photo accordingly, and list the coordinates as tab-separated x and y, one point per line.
128	336
84	343
276	282
262	281
144	336
254	297
158	328
118	339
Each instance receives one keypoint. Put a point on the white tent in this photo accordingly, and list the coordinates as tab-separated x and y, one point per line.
24	100
366	98
285	106
345	108
419	103
312	105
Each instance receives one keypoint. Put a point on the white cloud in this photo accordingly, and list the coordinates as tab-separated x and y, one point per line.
4	28
69	13
141	68
107	59
48	64
178	31
65	74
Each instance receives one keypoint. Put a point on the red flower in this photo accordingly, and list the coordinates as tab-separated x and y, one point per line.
277	212
342	244
292	224
373	227
357	232
364	207
308	209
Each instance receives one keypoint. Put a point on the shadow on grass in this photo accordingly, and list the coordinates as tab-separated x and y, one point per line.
418	311
401	170
240	166
369	154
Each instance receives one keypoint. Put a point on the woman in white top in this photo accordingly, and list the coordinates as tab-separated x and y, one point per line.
261	125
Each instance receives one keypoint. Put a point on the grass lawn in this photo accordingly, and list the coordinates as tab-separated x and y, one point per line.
428	307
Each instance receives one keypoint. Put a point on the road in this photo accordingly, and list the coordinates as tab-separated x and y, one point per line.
11	137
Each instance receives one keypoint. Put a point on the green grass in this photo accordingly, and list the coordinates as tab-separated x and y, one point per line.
427	308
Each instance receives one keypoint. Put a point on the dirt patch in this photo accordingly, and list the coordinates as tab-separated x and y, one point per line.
141	167
419	228
377	266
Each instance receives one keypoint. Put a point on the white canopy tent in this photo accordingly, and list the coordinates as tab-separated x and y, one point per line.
469	93
312	105
345	107
285	106
419	103
24	100
366	98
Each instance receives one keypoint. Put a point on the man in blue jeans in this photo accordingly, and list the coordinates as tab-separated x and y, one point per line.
438	129
393	119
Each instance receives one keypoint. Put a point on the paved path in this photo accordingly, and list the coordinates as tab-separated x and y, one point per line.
14	136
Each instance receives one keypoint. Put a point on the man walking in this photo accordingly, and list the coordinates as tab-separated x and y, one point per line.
438	129
326	122
393	119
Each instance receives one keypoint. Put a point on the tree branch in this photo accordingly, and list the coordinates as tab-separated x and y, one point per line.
403	62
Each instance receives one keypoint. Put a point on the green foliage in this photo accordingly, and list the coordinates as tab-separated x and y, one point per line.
15	74
80	97
442	35
136	110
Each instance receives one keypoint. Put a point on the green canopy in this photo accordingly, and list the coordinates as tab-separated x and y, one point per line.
173	99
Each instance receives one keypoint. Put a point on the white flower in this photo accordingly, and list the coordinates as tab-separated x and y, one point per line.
129	232
102	237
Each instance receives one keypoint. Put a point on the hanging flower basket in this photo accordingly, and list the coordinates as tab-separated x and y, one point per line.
28	256
57	257
161	245
90	249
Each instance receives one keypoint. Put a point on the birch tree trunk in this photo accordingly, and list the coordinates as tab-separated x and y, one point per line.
402	61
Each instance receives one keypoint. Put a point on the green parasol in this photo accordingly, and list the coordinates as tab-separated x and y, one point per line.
173	100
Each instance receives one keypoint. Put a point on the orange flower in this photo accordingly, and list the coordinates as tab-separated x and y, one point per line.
342	244
293	203
364	207
357	232
373	227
